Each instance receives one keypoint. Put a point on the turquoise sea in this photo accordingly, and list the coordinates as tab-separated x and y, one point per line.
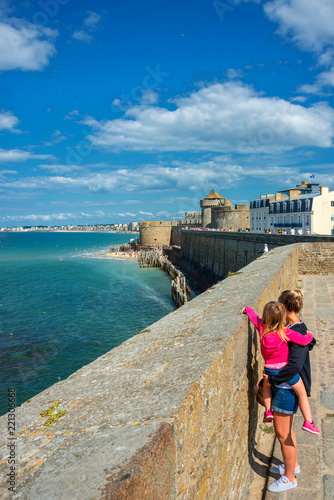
61	308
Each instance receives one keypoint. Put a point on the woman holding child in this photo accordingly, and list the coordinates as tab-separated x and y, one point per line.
286	354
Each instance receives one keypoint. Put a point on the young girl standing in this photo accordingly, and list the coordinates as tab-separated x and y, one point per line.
274	338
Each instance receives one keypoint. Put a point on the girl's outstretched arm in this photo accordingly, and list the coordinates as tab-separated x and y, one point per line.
257	322
299	338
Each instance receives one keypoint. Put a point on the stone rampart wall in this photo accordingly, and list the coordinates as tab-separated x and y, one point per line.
316	258
169	414
211	255
156	233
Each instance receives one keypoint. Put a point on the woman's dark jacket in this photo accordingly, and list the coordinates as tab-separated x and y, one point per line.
299	361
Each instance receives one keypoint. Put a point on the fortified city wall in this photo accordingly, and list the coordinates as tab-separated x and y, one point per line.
209	256
169	414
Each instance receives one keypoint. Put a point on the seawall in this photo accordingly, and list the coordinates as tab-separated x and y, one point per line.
209	256
169	414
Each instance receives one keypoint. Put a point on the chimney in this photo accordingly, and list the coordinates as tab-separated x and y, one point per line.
324	190
279	196
294	193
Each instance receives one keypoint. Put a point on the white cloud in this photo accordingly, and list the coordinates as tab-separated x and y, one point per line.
72	114
144	213
92	20
229	117
90	24
163	213
38	217
8	172
126	214
234	73
179	176
18	155
24	45
309	23
323	80
8	121
148	97
82	36
61	169
56	137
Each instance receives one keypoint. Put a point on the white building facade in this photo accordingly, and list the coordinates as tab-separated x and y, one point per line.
259	212
308	207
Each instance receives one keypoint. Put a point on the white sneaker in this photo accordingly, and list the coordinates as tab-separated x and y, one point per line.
282	484
280	469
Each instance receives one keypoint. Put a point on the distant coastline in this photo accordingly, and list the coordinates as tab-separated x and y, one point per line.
65	231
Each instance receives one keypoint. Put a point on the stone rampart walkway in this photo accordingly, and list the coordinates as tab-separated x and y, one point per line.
316	453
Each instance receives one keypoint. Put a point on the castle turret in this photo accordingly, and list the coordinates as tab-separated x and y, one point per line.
213	199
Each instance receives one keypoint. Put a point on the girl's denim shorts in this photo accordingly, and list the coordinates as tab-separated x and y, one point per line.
284	400
272	372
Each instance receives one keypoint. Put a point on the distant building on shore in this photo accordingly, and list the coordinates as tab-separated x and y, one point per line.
191	220
308	207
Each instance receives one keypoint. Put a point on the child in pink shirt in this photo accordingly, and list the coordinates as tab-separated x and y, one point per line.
274	338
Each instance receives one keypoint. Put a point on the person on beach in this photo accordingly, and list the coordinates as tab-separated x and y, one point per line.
299	362
274	338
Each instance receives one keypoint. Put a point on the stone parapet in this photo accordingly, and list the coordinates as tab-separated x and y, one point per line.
209	256
316	258
169	414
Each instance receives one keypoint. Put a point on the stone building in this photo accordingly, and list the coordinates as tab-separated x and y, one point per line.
192	219
219	213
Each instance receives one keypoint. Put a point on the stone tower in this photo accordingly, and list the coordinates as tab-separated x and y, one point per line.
213	199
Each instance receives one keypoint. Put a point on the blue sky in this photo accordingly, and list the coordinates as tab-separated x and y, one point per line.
121	111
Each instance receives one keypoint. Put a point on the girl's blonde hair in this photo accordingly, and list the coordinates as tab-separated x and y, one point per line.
292	300
273	319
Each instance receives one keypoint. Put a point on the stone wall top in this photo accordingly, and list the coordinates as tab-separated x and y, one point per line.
274	239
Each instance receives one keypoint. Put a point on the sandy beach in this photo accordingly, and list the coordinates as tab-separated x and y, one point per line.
129	255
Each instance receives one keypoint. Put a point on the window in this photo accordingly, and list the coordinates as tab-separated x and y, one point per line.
299	205
307	220
291	206
307	204
284	220
278	207
332	203
283	206
332	218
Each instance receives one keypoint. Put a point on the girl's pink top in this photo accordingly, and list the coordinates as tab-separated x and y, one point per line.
273	349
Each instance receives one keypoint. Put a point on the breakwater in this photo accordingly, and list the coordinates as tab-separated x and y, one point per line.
179	288
170	413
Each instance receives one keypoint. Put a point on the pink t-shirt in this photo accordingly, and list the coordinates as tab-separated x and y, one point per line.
274	350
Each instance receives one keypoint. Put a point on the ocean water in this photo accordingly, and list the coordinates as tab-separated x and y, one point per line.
61	308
